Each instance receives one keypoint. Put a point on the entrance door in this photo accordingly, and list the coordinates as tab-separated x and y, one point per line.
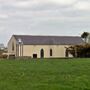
34	55
42	53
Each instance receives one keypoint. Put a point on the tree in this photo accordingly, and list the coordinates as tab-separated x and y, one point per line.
84	36
80	50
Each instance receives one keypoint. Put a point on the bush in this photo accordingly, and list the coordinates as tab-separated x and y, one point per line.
1	56
5	56
80	50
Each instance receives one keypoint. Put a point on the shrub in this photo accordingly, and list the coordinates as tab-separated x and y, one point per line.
80	50
5	56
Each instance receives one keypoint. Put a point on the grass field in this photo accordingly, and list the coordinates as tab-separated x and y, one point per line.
45	74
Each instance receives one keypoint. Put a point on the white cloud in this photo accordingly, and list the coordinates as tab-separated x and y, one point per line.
60	17
82	5
25	3
63	2
3	16
30	3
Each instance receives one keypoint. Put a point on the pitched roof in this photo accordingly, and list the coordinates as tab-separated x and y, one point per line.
49	40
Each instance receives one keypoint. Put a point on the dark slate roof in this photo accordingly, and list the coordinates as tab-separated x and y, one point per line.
49	40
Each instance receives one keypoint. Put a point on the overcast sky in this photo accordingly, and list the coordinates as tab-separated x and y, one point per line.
43	17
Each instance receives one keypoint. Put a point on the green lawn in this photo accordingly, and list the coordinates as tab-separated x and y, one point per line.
45	74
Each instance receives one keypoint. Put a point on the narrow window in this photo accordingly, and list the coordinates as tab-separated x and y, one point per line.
50	52
13	46
42	53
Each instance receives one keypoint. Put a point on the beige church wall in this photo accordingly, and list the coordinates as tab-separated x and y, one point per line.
57	50
12	41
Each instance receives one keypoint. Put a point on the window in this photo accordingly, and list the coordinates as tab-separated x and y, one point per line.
13	46
50	52
42	53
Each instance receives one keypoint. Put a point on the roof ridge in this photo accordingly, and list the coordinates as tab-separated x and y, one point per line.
46	36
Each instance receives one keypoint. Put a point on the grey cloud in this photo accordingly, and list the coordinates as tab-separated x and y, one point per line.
42	18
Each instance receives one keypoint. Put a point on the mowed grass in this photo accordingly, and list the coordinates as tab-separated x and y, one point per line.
45	74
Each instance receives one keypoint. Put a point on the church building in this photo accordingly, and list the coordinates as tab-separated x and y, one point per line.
42	46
